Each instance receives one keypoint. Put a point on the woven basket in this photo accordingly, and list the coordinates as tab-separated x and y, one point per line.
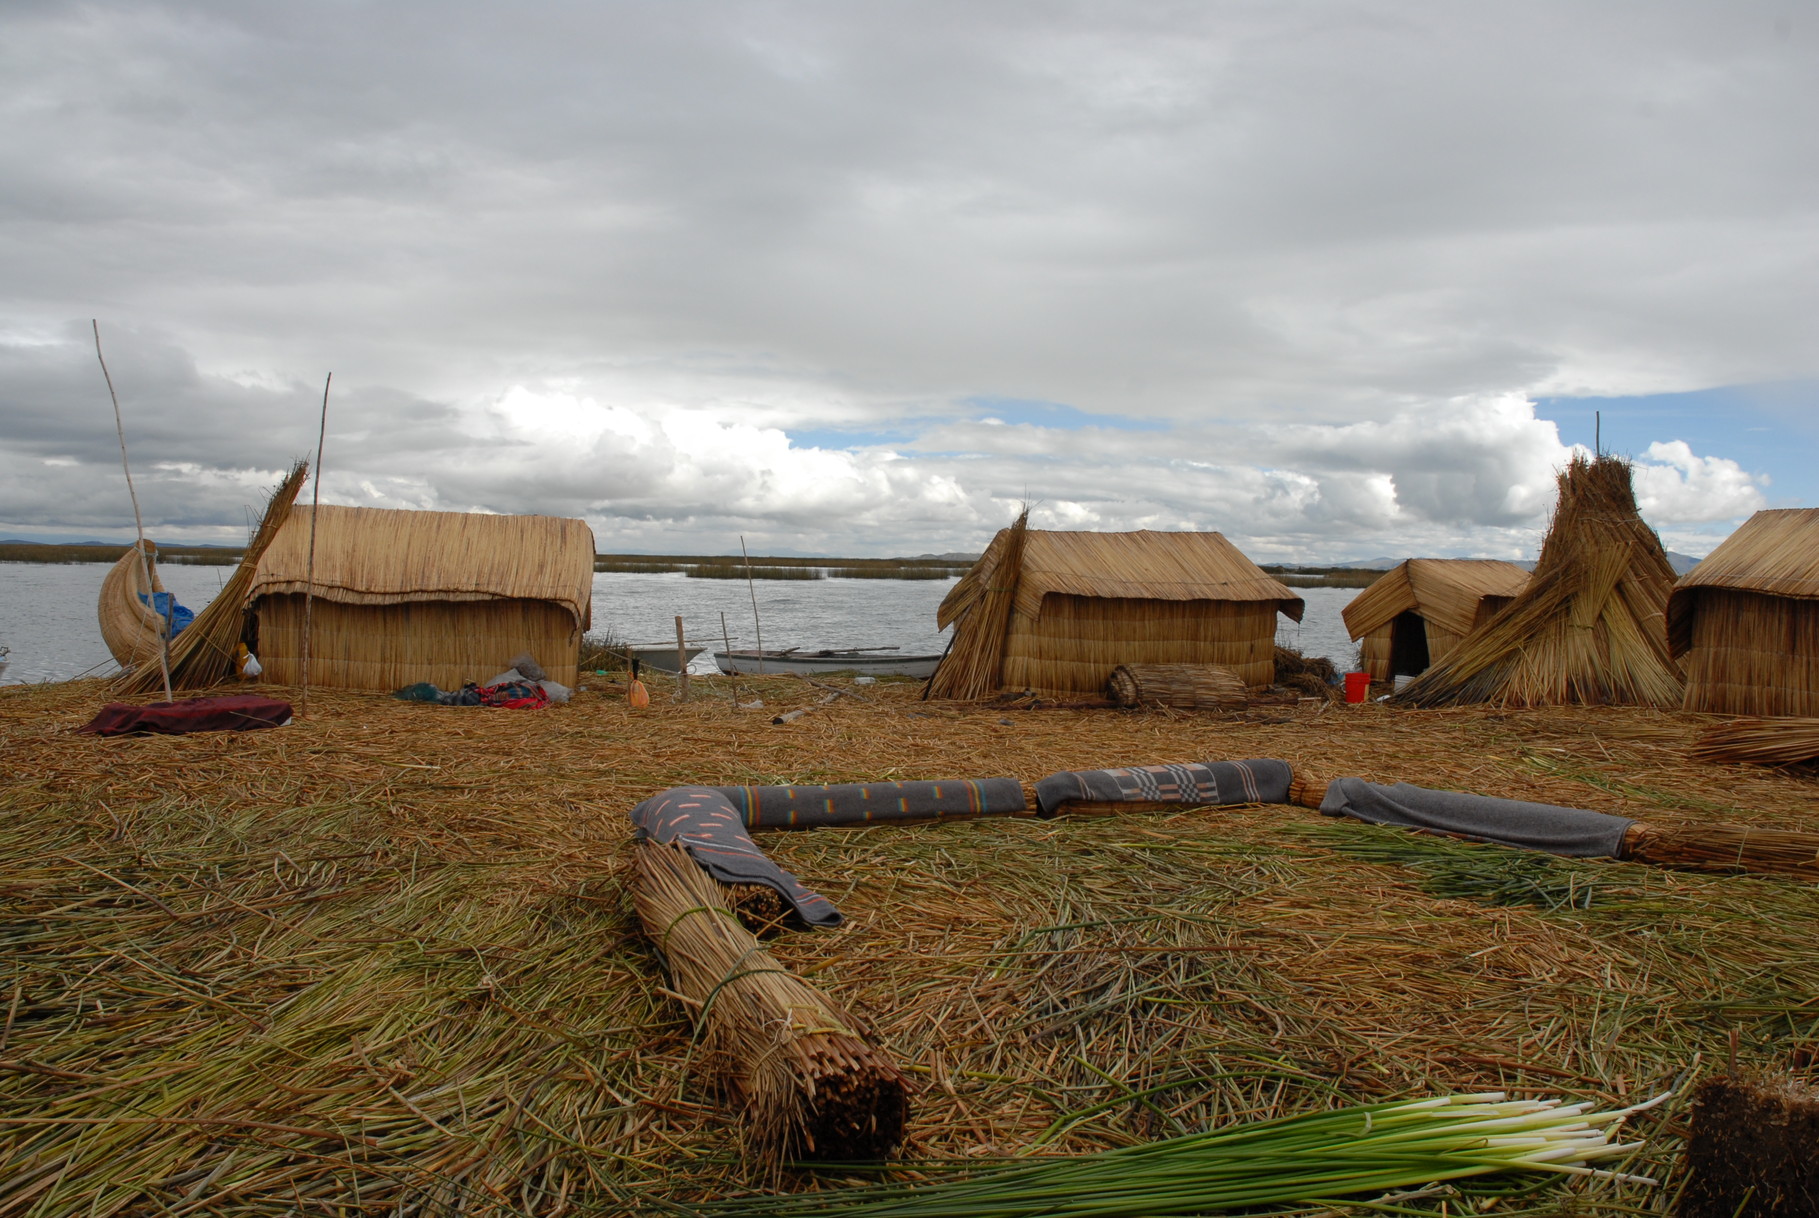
1184	686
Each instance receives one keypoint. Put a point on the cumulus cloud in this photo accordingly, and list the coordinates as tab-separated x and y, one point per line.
1675	486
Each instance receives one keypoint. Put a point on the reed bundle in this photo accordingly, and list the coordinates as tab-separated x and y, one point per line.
979	608
1779	741
203	655
1589	628
1754	1149
811	1084
1182	686
1724	848
1307	790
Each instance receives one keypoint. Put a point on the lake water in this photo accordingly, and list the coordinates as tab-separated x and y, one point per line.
47	614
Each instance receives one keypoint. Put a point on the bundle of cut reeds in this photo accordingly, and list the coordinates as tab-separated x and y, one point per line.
811	1085
980	607
1184	686
1782	741
1591	625
1307	790
1724	848
203	655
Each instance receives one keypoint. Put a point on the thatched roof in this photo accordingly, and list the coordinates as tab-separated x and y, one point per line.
1775	553
1144	565
380	556
1591	625
1444	591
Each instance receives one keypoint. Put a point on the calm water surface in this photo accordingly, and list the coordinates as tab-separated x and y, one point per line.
47	614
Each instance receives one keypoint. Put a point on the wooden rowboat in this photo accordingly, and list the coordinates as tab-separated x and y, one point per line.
875	662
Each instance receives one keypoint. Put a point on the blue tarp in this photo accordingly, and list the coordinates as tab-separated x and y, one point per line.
165	605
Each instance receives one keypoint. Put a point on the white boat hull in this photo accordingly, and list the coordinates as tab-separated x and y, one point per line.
817	663
662	659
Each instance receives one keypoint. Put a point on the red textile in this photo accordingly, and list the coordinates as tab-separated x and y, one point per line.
231	713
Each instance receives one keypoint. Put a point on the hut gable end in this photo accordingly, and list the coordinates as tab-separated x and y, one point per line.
1445	591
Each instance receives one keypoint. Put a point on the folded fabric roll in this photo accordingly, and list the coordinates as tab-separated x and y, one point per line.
1510	822
855	803
713	832
232	713
1258	781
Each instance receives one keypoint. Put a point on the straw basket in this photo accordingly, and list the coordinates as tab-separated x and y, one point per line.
1184	686
810	1083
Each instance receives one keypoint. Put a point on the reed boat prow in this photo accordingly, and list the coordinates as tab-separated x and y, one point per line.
131	627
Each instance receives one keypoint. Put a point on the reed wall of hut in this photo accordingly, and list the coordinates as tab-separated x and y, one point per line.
1744	623
1418	612
1080	604
443	597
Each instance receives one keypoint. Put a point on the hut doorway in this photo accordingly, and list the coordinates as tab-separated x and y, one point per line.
1408	645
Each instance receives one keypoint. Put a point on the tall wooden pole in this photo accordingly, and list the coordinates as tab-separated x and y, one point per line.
309	578
145	566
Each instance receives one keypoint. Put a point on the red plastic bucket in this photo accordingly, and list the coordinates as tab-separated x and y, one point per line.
1357	685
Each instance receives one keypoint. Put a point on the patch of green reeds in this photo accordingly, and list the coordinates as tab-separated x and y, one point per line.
740	571
1478	871
208	556
636	568
904	572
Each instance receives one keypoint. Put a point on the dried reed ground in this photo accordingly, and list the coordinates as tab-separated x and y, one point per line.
383	960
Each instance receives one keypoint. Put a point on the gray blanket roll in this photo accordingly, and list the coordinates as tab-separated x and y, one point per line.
713	833
1258	781
1510	822
859	803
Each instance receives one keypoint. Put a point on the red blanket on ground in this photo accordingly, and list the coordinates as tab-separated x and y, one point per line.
231	713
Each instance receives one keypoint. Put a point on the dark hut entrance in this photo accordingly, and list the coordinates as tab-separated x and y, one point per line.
1408	645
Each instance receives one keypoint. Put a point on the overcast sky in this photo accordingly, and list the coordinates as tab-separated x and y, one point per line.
1336	279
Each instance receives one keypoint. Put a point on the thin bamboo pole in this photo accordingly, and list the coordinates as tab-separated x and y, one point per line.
145	570
751	587
309	578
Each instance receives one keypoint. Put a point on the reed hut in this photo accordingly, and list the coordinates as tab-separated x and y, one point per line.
1056	612
402	597
1590	627
1745	622
1418	612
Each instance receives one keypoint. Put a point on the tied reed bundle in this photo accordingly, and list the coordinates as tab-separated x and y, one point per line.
1761	741
1589	628
811	1085
1307	790
974	664
203	655
1724	848
1184	686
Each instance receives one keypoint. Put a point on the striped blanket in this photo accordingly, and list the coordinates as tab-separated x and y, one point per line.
713	833
859	803
1258	781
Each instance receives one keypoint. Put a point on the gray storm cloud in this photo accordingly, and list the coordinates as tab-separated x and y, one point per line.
640	262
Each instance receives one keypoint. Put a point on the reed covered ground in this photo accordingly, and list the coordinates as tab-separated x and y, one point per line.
383	960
